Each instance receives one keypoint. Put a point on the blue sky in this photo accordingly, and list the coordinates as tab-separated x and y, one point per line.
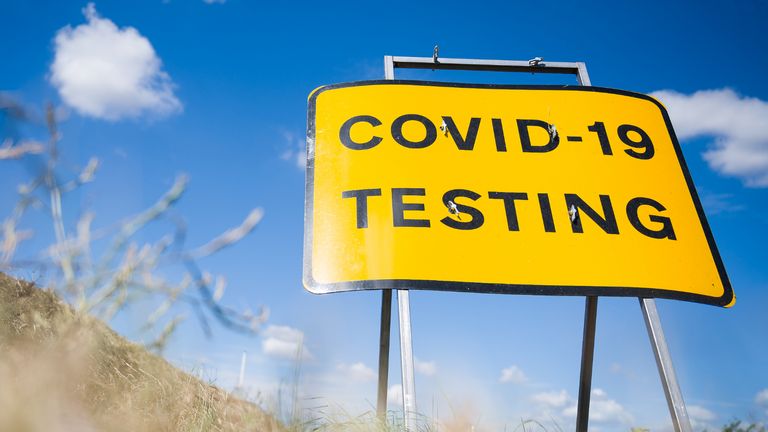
218	90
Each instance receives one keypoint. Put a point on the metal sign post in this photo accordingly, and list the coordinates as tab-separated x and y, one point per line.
655	332
406	345
587	357
386	319
406	360
664	362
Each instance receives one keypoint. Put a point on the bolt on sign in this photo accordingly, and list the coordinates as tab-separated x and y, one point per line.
502	189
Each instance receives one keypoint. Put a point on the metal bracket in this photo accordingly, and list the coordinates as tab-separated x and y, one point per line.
568	68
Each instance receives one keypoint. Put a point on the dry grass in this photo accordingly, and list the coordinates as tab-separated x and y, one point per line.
61	371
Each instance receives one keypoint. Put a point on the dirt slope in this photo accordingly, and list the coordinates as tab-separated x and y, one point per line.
64	372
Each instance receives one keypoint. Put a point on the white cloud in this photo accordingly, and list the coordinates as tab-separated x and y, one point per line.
284	342
110	73
357	372
512	374
609	411
425	368
603	410
737	123
701	418
761	399
552	399
700	414
295	151
395	395
716	203
214	1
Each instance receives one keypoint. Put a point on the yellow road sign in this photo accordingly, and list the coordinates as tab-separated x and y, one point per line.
502	189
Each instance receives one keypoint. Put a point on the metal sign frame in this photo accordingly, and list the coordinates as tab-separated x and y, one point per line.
663	358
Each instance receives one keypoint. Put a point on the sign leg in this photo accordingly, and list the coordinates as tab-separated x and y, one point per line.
386	320
587	357
406	360
664	362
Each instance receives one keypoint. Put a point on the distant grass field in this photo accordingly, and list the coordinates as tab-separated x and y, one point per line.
64	372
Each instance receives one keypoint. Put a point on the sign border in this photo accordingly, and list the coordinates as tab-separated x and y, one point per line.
727	299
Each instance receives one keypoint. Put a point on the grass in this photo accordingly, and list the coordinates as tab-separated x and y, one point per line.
63	371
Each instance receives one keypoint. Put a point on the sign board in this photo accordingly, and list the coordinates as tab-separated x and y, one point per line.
545	190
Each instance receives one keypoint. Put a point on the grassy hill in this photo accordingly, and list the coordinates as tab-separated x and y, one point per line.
63	372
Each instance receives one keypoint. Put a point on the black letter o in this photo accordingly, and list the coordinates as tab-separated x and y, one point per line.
397	131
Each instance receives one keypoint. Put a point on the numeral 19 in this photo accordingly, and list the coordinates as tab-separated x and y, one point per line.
641	149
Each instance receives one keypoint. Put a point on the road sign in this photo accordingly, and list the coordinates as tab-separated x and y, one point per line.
546	190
